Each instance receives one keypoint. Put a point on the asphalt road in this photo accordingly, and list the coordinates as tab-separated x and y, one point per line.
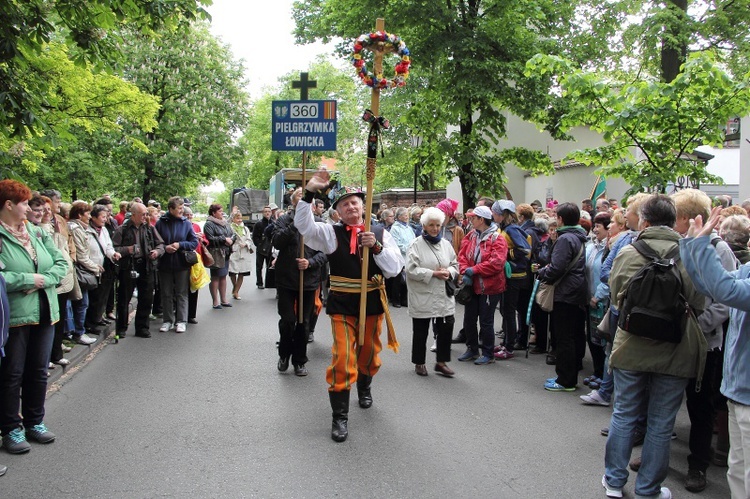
206	414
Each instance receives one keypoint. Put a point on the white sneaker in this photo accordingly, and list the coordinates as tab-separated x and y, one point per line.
433	348
664	493
85	340
594	398
611	491
165	327
180	327
62	362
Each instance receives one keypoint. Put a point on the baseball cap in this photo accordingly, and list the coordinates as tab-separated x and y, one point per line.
273	206
483	212
503	204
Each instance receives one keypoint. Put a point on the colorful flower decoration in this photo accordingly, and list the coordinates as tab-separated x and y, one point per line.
398	46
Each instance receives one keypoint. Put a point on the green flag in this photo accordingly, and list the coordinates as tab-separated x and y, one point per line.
600	189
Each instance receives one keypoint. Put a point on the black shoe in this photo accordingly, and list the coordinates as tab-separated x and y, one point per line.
340	410
260	286
283	364
363	390
143	333
300	370
193	321
551	359
696	480
519	346
460	337
121	334
104	322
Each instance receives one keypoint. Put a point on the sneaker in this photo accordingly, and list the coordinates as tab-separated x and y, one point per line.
503	354
469	354
152	317
62	362
51	365
283	364
433	348
111	316
165	327
594	398
15	442
84	340
484	360
664	493
554	386
696	480
611	491
180	327
66	349
300	370
40	433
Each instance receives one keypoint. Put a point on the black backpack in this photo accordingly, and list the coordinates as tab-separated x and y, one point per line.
653	305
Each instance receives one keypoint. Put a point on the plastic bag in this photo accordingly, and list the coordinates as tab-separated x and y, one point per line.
198	275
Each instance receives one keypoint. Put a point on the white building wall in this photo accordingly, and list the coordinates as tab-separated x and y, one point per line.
744	159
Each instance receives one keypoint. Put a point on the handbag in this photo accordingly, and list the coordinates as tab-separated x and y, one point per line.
87	280
270	277
190	257
465	293
545	293
265	247
218	256
208	259
450	288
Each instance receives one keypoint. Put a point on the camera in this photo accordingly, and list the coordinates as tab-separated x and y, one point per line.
134	274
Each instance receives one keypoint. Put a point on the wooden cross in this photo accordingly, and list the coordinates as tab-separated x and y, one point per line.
304	84
378	50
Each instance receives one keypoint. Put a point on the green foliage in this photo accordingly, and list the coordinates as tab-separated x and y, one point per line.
651	128
93	31
468	65
203	108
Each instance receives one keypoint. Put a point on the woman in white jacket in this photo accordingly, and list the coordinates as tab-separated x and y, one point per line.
430	262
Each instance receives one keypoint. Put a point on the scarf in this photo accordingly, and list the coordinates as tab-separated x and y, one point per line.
217	221
563	228
432	239
21	234
354	229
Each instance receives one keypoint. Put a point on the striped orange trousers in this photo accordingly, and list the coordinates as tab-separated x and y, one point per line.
347	356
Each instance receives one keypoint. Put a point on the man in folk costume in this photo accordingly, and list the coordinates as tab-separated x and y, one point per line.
352	361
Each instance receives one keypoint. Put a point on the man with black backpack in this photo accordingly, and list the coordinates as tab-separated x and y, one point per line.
651	365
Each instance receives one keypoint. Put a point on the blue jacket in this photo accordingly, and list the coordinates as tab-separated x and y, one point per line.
172	230
731	288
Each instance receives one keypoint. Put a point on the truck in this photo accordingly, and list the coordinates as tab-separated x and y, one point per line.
287	179
250	202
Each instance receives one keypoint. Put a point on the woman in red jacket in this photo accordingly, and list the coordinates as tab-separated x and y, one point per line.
481	262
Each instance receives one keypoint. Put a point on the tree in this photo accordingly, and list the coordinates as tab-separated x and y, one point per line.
469	58
203	108
93	32
650	127
81	106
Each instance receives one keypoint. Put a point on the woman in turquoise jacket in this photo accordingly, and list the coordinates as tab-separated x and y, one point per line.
32	267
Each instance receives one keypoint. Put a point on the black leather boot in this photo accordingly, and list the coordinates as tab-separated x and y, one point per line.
363	390
340	408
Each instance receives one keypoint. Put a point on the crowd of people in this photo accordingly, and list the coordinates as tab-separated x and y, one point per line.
495	256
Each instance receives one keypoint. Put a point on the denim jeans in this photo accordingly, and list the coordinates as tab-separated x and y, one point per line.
79	313
24	367
658	395
481	307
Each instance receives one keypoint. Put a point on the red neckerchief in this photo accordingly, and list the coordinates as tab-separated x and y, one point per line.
353	242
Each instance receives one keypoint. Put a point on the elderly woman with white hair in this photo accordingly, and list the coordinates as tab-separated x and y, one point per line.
430	262
735	231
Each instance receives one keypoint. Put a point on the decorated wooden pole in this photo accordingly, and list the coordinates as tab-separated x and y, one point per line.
379	43
303	84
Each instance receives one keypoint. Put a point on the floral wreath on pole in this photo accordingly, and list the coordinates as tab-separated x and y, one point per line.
393	43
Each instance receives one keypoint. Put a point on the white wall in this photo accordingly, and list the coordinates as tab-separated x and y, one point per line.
744	159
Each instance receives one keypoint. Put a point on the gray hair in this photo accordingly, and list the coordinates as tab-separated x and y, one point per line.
400	211
735	230
541	221
432	215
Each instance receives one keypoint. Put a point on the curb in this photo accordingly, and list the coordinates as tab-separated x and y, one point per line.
81	354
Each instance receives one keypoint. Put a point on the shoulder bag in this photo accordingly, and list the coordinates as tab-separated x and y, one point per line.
87	280
545	293
208	259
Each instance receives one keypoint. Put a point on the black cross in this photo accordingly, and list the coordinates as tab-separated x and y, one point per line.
304	84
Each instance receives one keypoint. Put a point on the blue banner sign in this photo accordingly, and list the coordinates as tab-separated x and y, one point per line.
303	125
